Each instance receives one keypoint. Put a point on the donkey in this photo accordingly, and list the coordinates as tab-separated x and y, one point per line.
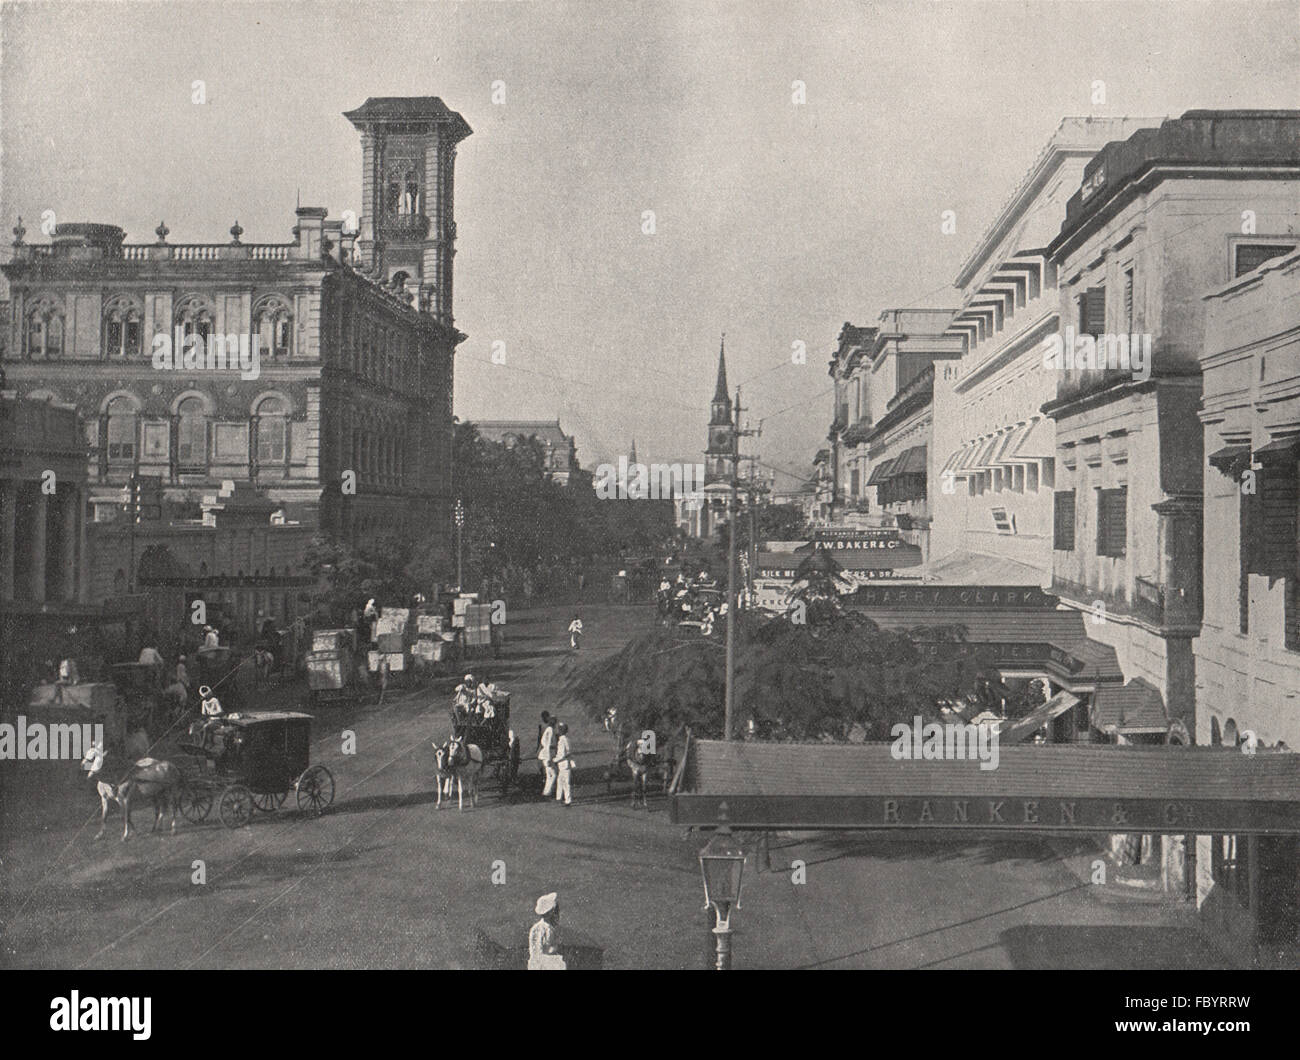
151	778
464	762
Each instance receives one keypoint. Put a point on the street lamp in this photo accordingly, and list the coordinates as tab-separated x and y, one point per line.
722	863
460	525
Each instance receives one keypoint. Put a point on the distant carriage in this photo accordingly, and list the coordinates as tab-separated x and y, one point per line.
333	674
252	763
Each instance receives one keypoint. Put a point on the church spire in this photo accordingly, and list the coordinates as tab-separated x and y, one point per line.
720	391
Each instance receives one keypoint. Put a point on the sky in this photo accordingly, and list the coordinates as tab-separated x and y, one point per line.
774	221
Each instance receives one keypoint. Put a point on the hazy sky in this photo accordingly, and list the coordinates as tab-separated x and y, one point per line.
774	222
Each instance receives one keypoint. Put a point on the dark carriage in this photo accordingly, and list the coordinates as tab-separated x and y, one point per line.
252	762
145	703
494	737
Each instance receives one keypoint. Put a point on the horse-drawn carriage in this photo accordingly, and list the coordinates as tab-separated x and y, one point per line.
251	762
492	735
649	761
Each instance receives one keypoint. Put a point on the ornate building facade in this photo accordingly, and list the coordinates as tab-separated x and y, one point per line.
344	416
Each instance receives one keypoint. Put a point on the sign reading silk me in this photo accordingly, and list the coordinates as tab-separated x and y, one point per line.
656	482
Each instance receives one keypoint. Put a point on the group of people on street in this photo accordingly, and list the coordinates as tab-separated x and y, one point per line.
555	758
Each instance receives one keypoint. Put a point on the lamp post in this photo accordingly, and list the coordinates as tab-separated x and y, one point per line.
722	864
460	525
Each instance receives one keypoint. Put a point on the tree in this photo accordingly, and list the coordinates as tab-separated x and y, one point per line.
829	679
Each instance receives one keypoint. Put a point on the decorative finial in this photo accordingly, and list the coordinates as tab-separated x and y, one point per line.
19	232
235	232
162	231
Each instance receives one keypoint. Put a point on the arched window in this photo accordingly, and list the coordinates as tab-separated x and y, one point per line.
122	428
122	328
271	423
45	330
192	435
411	198
195	317
273	323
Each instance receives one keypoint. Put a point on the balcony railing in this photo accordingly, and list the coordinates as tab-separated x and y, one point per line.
1165	605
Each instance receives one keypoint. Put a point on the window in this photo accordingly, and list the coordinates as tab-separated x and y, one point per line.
272	425
1247	509
192	435
1128	300
274	326
1250	256
1004	521
195	319
1273	529
1112	521
122	329
1291	616
1092	311
45	330
121	431
1063	521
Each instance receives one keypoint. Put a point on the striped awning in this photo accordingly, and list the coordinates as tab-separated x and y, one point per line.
911	462
881	472
1034	444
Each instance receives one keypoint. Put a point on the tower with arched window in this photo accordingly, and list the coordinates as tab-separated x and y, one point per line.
408	227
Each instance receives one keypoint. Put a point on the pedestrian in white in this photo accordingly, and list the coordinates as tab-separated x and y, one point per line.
546	755
543	937
210	638
563	765
575	633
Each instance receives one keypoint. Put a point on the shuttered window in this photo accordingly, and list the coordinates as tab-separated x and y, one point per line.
1273	528
1063	521
1251	256
1291	632
1128	300
1092	311
1112	521
1243	562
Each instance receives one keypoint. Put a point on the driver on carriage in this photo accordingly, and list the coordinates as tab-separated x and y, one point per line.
212	712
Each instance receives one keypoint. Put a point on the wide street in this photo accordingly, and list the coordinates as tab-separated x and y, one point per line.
386	880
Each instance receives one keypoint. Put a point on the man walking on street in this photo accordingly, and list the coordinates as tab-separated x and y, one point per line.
546	754
564	765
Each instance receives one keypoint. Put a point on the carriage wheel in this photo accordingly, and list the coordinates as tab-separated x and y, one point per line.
236	806
315	790
269	803
195	803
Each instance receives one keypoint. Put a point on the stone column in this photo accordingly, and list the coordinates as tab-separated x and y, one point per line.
36	544
69	501
83	551
8	514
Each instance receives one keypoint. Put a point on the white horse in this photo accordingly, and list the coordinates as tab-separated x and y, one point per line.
463	762
151	778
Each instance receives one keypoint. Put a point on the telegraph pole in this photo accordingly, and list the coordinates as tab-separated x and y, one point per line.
729	708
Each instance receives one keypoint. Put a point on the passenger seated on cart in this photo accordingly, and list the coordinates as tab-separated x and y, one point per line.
485	705
213	712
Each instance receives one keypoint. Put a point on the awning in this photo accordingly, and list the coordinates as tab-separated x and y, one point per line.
912	462
1034	445
1009	443
1231	459
985	458
953	460
880	472
1281	450
1136	707
1042	715
1060	788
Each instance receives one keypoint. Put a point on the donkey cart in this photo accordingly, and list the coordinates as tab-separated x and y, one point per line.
252	762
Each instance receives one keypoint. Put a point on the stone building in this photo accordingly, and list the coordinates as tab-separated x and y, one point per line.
885	376
560	448
344	416
1248	651
992	465
1158	219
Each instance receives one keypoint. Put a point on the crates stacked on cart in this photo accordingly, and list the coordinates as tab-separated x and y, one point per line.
434	640
390	641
